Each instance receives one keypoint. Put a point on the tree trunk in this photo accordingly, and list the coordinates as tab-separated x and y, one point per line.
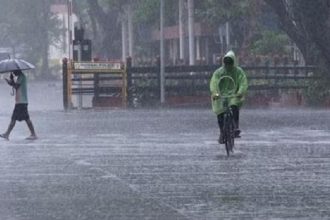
44	60
111	29
252	24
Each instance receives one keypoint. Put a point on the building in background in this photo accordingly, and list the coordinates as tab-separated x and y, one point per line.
209	43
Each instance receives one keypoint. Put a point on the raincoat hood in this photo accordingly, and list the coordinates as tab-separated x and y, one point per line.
230	54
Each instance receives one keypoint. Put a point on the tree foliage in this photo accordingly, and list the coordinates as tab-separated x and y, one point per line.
147	11
298	21
308	25
222	10
270	43
103	24
28	29
244	17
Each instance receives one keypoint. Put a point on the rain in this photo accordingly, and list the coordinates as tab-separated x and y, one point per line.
124	115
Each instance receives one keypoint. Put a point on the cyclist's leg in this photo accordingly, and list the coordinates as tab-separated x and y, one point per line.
221	123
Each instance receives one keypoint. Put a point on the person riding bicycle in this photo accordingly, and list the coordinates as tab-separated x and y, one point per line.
229	68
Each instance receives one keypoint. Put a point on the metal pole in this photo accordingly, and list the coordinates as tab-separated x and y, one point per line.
191	32
80	99
65	83
124	38
130	32
69	6
181	33
162	55
227	36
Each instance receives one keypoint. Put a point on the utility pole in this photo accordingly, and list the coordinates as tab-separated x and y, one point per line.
162	54
80	98
227	36
69	7
124	37
130	31
181	32
191	32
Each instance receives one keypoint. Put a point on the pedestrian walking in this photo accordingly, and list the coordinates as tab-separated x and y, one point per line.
20	112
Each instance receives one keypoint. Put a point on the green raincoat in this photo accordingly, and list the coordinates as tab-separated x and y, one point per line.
240	80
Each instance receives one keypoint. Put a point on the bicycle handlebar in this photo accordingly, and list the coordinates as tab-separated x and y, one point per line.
218	96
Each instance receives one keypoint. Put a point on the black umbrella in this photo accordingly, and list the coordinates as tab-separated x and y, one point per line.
10	65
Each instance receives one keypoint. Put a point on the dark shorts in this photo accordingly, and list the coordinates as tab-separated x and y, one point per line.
20	112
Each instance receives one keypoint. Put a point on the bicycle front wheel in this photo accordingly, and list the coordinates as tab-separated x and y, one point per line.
229	134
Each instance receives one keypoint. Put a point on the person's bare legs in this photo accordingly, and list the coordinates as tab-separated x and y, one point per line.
10	128
31	127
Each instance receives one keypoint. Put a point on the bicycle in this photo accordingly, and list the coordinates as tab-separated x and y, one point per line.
228	117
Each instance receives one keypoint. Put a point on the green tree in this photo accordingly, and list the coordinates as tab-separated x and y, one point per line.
308	25
243	16
270	43
311	33
105	27
29	30
147	11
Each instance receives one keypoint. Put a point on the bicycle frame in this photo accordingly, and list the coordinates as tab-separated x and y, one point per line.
229	123
228	126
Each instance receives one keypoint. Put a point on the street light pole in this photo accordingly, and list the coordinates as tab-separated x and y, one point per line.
181	33
69	7
191	24
162	54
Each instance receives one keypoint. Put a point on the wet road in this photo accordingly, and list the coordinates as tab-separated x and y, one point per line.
164	164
